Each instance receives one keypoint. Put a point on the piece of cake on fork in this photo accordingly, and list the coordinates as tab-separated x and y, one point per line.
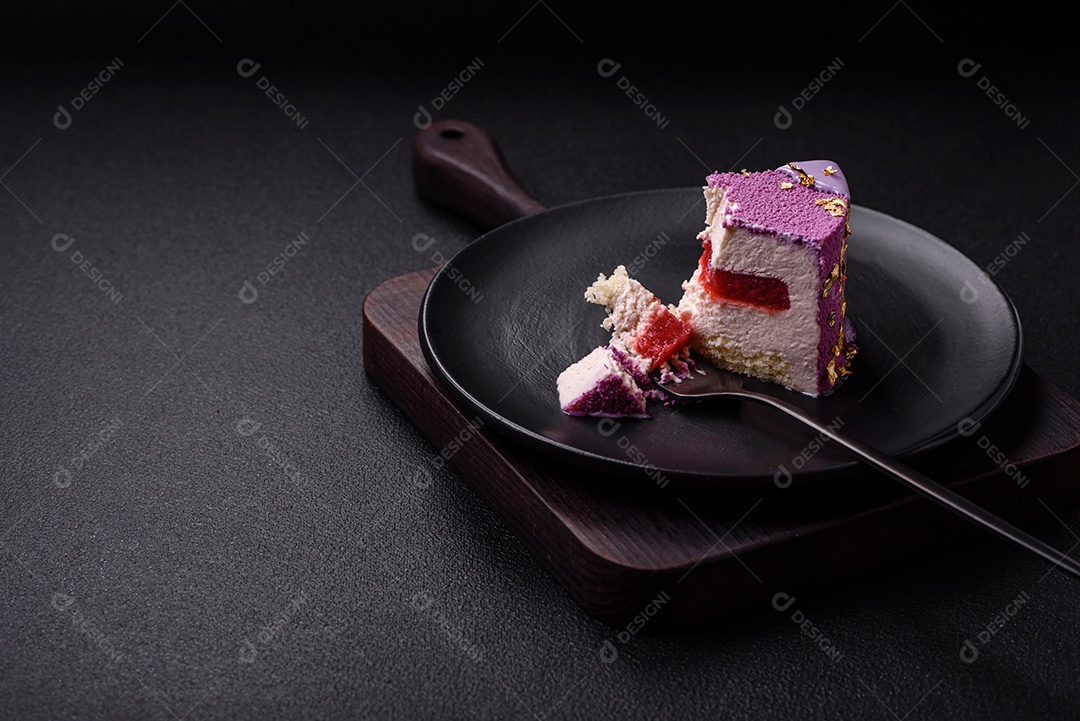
646	335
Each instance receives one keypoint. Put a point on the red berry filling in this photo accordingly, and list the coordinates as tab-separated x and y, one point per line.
770	294
664	335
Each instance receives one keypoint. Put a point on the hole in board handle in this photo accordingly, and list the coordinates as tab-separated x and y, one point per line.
451	133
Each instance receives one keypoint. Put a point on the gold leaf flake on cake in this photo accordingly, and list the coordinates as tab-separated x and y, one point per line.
830	371
833	275
804	177
848	349
786	186
832	318
836	207
849	353
838	347
745	172
829	170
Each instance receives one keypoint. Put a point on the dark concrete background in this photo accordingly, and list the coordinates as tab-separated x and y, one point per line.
157	563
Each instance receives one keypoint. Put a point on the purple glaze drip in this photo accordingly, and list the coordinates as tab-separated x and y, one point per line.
834	183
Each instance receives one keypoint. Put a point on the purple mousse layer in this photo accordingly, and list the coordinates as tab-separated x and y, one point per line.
831	303
772	203
840	358
610	397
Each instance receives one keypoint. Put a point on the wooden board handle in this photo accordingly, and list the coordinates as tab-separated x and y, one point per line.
458	166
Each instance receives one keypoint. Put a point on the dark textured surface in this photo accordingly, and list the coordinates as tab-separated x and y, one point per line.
180	539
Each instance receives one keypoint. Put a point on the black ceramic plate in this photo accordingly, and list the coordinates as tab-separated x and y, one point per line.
938	343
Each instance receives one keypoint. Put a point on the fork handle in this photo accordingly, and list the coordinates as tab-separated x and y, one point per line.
931	489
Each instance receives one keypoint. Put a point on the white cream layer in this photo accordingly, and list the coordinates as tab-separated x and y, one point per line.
716	210
781	346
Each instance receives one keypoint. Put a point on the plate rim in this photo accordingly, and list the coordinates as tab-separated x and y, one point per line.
588	459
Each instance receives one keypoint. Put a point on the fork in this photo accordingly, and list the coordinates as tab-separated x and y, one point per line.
717	384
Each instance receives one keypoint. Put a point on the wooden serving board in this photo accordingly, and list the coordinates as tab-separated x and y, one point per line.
623	547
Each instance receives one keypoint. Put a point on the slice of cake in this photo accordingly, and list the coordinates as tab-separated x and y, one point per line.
767	298
601	385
